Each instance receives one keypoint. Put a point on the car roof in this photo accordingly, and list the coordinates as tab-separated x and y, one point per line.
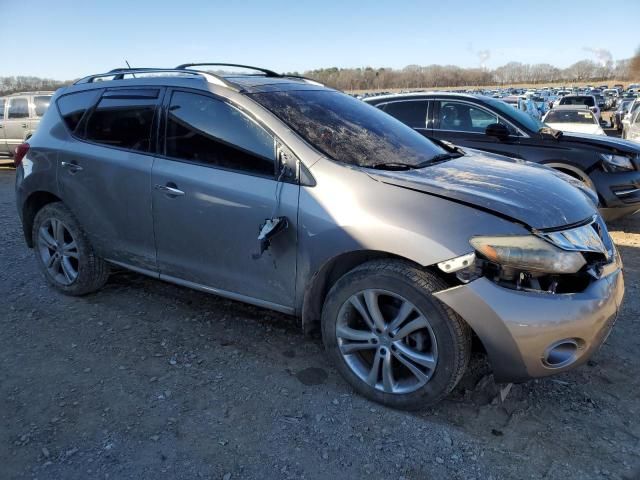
571	107
396	96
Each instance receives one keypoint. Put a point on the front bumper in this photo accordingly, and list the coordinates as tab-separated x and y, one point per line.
619	193
517	327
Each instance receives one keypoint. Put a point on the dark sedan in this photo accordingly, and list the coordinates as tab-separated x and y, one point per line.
609	166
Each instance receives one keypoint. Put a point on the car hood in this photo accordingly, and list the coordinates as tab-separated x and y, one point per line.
533	195
592	129
610	143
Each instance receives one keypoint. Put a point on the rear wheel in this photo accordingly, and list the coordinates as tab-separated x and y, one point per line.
391	339
64	254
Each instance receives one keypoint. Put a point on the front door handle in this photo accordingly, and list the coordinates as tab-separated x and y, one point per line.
24	125
71	166
170	189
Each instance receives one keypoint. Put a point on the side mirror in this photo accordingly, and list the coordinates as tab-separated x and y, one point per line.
498	131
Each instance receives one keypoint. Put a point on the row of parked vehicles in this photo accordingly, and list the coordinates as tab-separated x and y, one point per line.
406	229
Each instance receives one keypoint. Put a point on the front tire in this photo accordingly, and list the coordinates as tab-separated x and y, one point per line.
391	339
64	254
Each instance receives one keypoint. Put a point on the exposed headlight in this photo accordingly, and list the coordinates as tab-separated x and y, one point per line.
528	253
618	162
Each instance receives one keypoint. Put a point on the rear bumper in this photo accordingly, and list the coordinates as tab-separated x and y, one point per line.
517	328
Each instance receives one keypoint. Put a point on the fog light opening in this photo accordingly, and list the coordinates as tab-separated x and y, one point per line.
561	353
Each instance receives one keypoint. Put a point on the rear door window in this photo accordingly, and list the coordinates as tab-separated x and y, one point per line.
2	102
18	108
411	112
123	119
206	130
73	106
41	103
462	117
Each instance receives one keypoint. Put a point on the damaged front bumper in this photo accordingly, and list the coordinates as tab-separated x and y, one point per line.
531	334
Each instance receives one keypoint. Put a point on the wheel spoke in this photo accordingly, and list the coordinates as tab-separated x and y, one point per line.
371	299
372	378
68	270
403	313
387	373
55	265
349	348
46	238
50	261
420	358
58	230
419	374
70	249
411	327
348	333
362	310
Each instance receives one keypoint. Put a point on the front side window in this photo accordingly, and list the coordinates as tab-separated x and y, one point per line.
74	105
18	108
41	103
410	112
122	120
206	130
462	117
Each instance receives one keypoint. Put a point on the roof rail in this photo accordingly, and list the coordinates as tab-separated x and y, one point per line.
268	73
119	73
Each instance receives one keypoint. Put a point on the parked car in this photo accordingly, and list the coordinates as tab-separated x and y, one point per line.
626	119
588	100
570	118
20	115
633	132
621	111
607	165
282	193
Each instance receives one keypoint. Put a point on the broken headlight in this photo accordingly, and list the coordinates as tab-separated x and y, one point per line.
528	253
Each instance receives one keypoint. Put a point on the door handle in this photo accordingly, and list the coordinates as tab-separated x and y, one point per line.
170	189
72	167
24	125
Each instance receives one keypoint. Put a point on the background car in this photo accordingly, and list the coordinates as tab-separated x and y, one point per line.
588	100
621	111
20	115
633	132
570	118
609	166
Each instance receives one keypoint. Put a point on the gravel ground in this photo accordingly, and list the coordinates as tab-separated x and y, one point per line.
147	380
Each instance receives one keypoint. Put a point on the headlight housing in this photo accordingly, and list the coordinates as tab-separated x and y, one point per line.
616	162
529	253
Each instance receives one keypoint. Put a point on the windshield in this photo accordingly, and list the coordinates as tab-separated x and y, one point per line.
349	130
578	101
570	116
518	115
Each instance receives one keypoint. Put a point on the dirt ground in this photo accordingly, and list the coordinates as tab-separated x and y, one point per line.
146	380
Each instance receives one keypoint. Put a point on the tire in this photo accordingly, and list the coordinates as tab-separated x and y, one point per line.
433	339
65	257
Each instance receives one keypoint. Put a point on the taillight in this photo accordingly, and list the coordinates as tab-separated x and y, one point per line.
19	153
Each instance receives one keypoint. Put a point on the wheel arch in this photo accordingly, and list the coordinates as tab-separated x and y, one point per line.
32	205
327	275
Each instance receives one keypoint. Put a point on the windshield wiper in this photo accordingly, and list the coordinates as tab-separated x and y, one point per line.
391	166
442	157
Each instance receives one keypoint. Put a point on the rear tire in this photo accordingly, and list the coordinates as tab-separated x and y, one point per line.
405	363
64	254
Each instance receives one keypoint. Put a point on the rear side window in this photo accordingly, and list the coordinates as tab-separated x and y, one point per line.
41	103
412	112
205	130
2	108
18	108
73	106
123	119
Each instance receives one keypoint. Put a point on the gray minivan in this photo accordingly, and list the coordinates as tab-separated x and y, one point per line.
20	115
277	191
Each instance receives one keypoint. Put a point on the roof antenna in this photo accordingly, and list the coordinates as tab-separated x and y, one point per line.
129	67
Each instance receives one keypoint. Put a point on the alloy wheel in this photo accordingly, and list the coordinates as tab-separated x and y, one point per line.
58	251
386	341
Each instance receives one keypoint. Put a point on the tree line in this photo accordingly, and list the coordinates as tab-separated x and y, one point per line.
416	76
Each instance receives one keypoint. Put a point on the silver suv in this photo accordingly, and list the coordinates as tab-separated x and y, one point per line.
20	115
279	192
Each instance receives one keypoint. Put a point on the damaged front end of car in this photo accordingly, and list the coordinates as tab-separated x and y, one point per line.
540	303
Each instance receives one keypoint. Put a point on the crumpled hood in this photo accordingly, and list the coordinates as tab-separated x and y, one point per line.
602	141
536	196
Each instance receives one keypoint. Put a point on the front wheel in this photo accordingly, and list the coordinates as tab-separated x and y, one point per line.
390	338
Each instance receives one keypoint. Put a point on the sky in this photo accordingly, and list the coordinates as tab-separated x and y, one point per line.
65	39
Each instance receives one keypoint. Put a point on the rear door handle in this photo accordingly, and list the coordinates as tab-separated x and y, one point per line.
72	167
170	189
